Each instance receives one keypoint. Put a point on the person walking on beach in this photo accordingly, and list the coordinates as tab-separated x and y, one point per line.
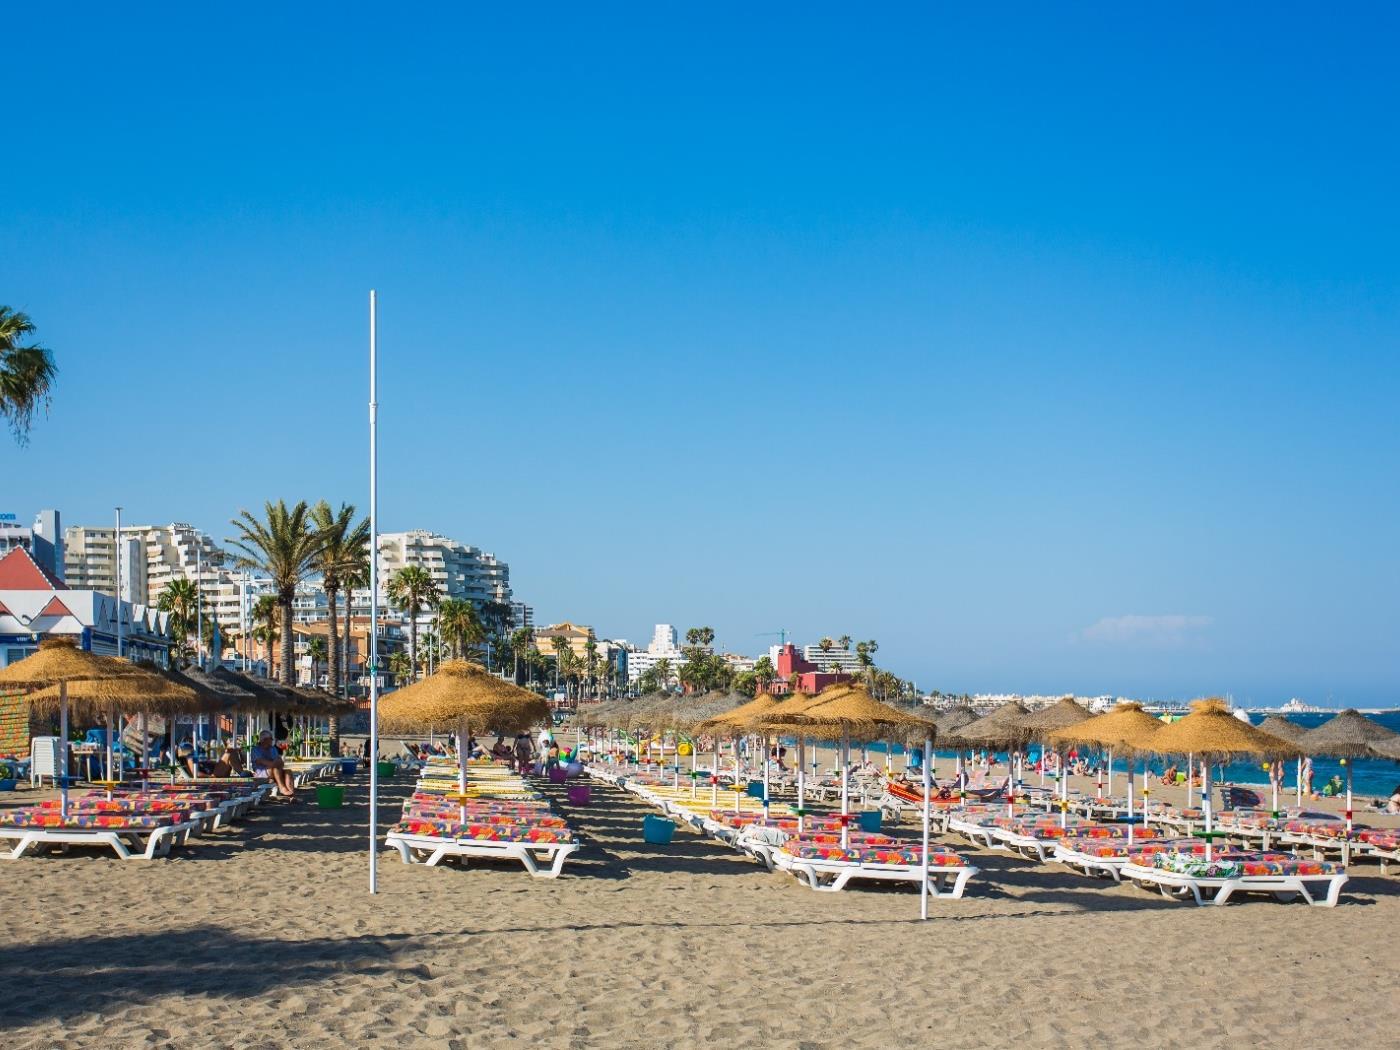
1276	776
1307	777
524	753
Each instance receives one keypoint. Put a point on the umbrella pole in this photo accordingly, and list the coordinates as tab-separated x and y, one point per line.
1190	778
928	804
1110	772
801	747
1299	784
714	778
63	750
111	718
692	769
1205	804
845	790
144	747
1064	789
766	763
1099	786
1131	763
1349	798
462	735
737	775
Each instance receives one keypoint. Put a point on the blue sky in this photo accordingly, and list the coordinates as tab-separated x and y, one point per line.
1054	349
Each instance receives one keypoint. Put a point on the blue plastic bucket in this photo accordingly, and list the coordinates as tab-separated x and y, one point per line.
870	820
657	830
348	766
755	789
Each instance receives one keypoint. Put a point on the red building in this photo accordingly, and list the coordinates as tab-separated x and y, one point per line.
810	678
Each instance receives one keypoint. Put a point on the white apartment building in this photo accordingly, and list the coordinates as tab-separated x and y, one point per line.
664	645
150	556
43	540
844	660
459	570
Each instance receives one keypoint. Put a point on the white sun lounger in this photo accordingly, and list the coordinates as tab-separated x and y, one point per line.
432	849
831	876
128	844
1321	890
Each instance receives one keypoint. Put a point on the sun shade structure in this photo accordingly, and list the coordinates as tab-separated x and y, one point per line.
1216	735
1001	728
1347	735
149	692
949	722
1126	728
1277	725
60	664
1040	724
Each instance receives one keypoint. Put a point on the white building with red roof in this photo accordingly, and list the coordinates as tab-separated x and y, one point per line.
35	604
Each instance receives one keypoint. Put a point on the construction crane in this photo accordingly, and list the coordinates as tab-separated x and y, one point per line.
781	634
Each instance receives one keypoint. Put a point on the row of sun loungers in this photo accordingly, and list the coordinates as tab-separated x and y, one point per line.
500	817
821	850
136	823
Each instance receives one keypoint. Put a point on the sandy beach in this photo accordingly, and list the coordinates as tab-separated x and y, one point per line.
264	936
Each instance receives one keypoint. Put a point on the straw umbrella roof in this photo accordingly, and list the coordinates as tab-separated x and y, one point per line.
60	660
461	691
689	713
732	721
147	692
948	722
851	711
1345	735
1277	725
1388	748
1002	727
1059	715
1211	730
1126	727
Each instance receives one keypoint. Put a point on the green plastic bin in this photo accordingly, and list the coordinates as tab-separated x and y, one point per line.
330	796
386	769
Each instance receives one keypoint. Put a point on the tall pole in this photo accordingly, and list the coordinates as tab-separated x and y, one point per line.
373	599
111	720
198	604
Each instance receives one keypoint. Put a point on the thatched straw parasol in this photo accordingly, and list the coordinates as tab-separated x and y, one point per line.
1347	735
950	721
1210	730
1388	748
1127	728
1001	728
1039	725
59	663
1218	736
731	722
149	692
1277	725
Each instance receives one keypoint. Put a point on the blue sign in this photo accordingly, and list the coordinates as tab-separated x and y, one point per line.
8	517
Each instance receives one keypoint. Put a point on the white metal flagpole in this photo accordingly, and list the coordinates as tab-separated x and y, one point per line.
373	600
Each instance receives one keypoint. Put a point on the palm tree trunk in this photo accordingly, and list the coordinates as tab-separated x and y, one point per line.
287	656
333	671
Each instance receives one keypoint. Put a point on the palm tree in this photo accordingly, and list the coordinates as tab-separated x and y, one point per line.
179	599
316	649
844	641
865	653
764	673
663	672
591	664
461	628
265	615
26	373
344	548
522	640
285	546
400	666
412	589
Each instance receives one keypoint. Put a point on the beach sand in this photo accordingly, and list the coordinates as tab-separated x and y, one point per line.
264	936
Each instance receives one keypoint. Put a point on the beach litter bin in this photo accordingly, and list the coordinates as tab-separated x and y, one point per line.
348	766
579	795
386	769
869	820
330	796
657	830
557	775
7	784
755	789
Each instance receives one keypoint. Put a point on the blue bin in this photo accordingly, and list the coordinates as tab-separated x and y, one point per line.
755	789
870	820
657	830
348	766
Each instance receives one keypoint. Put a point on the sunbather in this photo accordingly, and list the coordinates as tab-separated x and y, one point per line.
267	762
230	763
1169	777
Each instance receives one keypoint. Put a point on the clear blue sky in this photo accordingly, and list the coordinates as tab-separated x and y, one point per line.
1055	349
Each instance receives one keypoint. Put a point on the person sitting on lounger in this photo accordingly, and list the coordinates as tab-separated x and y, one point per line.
1333	787
230	763
267	762
1169	776
184	758
501	751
